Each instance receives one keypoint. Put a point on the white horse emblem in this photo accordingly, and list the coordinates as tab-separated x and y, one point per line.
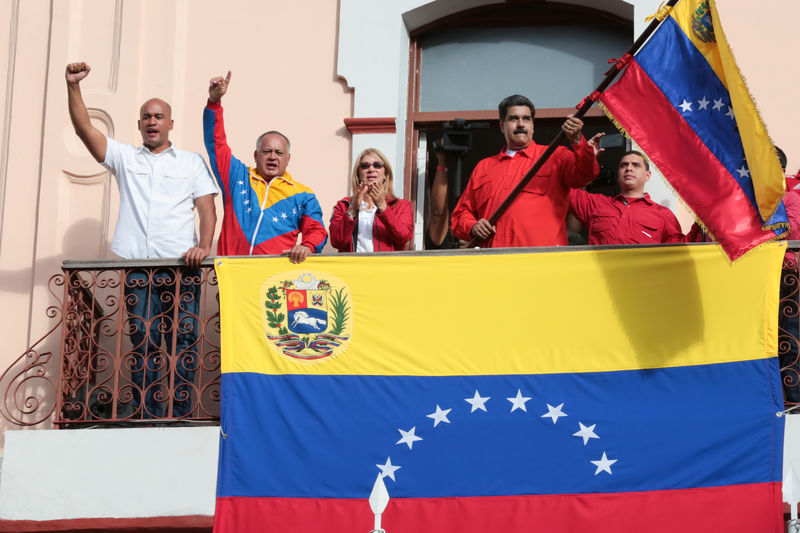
301	317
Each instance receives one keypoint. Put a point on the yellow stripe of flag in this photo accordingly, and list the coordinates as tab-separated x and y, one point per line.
510	313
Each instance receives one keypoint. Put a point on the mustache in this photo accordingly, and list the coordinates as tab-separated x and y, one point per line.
520	130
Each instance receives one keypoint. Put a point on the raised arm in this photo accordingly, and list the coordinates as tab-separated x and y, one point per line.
93	138
581	167
219	153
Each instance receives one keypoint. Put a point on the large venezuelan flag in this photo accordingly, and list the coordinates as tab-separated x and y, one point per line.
683	100
617	390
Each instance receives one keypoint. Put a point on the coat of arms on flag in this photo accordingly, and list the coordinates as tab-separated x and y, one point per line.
307	315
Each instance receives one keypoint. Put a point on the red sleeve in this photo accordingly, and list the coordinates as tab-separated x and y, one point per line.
672	229
465	213
791	201
581	205
399	221
219	153
579	167
341	226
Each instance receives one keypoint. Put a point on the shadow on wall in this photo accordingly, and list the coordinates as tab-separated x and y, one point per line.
81	241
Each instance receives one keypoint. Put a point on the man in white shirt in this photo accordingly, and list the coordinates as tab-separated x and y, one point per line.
159	186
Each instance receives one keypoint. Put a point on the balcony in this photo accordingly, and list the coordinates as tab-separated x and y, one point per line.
112	352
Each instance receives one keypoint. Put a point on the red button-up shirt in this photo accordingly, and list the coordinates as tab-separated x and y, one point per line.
623	220
536	217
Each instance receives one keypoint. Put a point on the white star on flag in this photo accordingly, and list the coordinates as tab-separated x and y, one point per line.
703	103
246	202
388	469
477	402
408	437
718	104
243	191
274	219
730	112
685	106
554	412
518	402
283	216
744	172
439	416
604	464
240	182
586	433
249	209
294	211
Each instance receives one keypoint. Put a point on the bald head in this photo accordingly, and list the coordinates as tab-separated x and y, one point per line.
159	101
155	123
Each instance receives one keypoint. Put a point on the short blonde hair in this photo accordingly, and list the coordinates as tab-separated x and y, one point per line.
388	184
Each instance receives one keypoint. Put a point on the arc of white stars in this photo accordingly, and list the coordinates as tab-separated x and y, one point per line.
685	106
604	464
440	415
388	469
477	402
554	412
703	104
718	104
518	402
408	437
586	432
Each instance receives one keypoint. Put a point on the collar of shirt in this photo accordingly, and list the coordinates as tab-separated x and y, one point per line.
527	152
629	199
169	150
260	185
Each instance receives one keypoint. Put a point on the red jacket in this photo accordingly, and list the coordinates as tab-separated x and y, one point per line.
391	230
536	217
622	220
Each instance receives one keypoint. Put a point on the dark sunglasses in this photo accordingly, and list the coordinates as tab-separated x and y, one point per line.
377	164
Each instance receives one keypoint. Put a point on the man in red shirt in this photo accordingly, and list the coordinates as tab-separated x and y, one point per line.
630	217
537	215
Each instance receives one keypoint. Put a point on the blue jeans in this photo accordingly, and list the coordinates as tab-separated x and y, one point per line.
152	301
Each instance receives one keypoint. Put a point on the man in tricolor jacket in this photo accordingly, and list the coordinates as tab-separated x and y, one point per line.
264	207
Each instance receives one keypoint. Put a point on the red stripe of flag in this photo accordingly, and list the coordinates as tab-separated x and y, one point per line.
686	162
732	509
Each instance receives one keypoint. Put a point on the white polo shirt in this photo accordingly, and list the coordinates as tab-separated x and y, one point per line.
157	192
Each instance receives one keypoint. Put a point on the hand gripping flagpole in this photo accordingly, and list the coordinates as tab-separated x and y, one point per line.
583	107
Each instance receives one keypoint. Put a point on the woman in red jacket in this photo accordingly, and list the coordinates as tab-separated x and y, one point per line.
373	220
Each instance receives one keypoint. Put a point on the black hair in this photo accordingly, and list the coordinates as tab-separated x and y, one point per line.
781	157
640	154
511	101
